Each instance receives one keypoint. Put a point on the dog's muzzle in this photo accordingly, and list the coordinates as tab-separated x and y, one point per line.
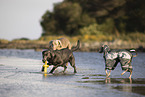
43	60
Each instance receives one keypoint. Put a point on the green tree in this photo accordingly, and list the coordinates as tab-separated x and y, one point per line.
111	16
48	24
135	11
67	16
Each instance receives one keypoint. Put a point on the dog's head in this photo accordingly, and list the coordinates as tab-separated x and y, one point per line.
48	54
56	44
104	48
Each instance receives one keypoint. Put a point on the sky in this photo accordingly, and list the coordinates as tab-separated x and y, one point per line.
21	18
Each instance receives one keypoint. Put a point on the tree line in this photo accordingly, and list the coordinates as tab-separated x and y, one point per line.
92	17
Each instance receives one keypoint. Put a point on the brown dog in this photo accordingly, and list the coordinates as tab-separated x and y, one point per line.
60	58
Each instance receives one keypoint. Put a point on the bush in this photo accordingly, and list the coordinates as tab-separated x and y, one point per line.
4	41
106	28
91	30
134	37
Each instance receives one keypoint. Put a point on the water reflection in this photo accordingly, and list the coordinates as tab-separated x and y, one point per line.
122	84
127	85
124	81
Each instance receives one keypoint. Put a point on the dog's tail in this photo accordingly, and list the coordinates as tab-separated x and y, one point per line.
132	50
76	47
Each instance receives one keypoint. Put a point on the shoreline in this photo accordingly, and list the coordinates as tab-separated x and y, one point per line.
85	46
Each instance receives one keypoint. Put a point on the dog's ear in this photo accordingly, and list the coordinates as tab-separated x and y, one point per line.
106	48
59	43
50	45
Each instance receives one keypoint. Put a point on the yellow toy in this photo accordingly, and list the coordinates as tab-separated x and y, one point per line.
45	67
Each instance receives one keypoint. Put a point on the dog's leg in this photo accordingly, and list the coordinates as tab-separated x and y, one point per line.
130	74
67	64
75	69
124	71
53	69
42	69
107	80
107	74
72	63
64	69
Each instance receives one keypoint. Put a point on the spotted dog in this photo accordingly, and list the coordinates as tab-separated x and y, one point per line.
113	57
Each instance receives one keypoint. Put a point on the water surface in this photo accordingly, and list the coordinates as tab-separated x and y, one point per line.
21	76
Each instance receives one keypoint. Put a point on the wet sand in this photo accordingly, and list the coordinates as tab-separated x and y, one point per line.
22	77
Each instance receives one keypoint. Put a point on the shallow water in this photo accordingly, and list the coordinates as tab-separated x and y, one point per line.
21	76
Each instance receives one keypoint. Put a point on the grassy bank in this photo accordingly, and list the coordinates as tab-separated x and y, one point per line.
88	42
131	37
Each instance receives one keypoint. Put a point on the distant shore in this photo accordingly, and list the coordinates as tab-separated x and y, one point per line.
85	46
